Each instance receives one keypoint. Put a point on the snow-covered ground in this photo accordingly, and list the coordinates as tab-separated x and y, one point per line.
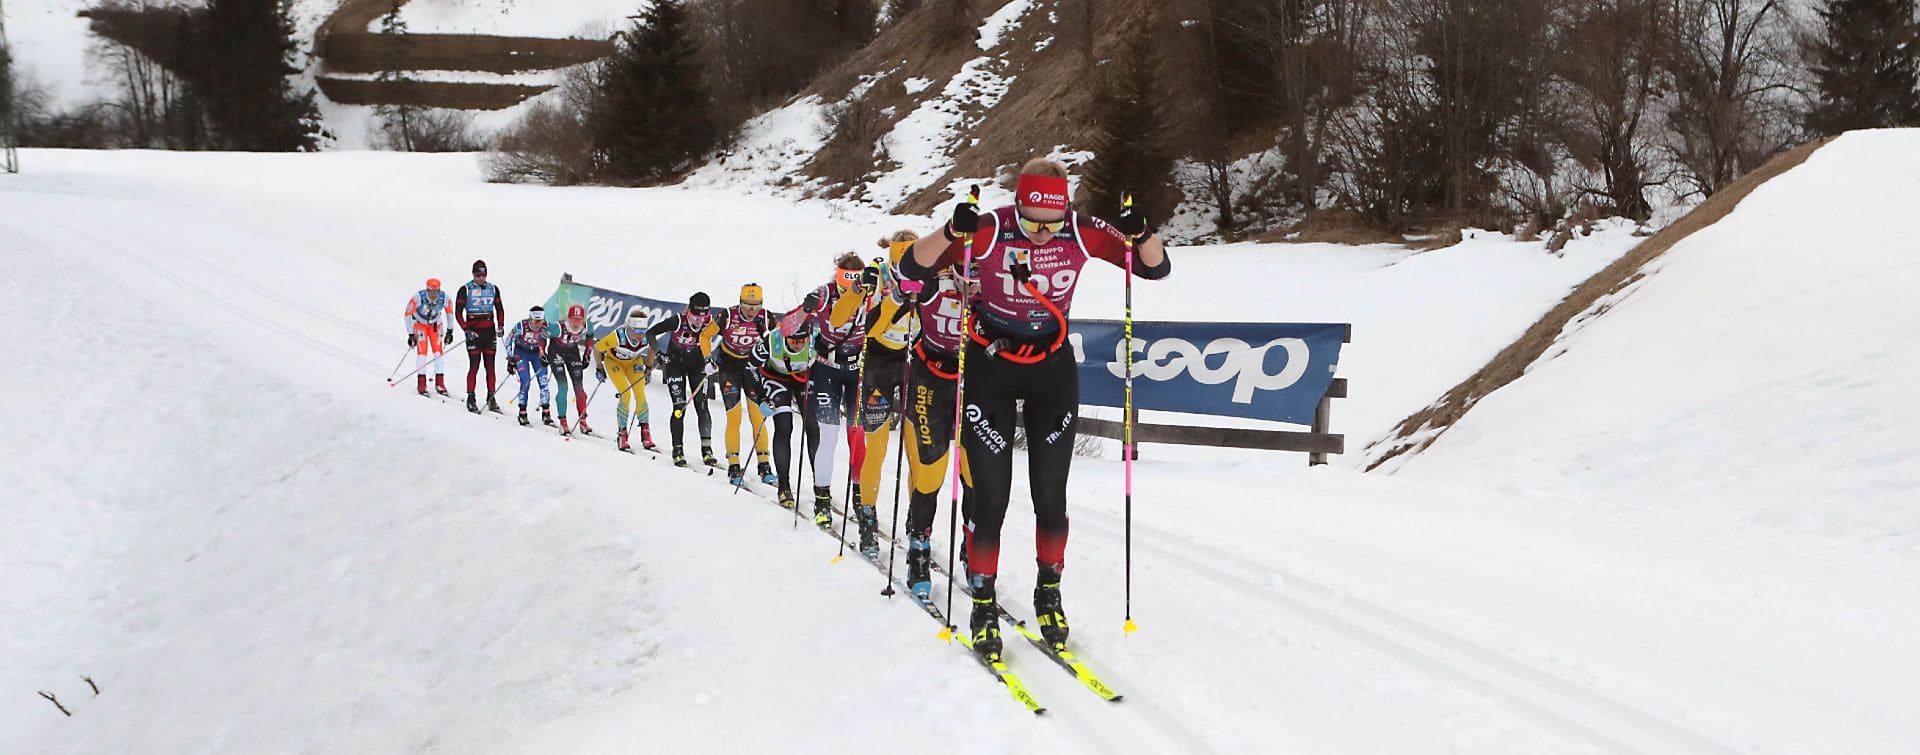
225	517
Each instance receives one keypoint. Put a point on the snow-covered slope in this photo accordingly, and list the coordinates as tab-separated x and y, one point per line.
1762	370
224	516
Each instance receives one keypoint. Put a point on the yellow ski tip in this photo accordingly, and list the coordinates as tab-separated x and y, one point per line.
946	634
1131	627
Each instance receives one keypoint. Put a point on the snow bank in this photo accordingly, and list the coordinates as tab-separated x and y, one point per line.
1761	372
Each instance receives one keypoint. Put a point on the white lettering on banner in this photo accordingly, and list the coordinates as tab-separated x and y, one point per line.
1166	358
1080	349
602	311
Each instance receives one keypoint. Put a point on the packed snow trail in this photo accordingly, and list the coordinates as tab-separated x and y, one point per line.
252	543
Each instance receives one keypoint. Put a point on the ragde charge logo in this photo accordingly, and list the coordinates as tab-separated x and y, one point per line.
1244	364
1046	199
996	443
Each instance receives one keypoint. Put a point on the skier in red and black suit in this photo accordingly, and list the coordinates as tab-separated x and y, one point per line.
1027	258
480	311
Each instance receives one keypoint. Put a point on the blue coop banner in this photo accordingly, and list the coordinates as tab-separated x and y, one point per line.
1267	371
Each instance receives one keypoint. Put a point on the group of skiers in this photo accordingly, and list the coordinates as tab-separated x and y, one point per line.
975	312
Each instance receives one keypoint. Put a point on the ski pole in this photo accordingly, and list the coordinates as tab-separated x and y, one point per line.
757	430
899	465
397	365
416	370
1126	443
959	405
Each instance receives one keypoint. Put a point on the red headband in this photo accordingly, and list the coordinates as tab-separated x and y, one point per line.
1042	192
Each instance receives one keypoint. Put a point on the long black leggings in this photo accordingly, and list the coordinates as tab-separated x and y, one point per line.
785	396
929	412
1051	390
683	373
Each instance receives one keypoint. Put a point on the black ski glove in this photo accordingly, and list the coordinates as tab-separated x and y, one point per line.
966	219
446	339
870	279
1133	223
413	339
812	303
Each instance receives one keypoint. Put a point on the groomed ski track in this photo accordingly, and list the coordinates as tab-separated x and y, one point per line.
1302	611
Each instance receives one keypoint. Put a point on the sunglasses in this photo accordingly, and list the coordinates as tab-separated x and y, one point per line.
1035	226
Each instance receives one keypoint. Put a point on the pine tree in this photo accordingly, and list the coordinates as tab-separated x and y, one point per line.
395	120
651	115
247	53
1131	147
1867	66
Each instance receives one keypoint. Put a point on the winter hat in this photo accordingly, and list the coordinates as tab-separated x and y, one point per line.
479	267
699	300
433	284
576	312
750	294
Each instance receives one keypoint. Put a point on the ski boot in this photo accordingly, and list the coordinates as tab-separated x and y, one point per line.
440	385
584	430
823	506
622	442
736	476
646	438
546	415
493	406
766	473
984	626
523	418
565	431
786	498
869	530
679	457
422	385
920	568
1046	606
706	456
472	404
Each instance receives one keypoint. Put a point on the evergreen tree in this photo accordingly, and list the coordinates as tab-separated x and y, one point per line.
651	114
1132	149
1866	66
395	120
247	53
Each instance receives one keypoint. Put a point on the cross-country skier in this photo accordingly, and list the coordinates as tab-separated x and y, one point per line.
1028	257
528	343
685	366
779	386
428	315
884	369
626	356
739	330
569	351
931	383
482	314
841	307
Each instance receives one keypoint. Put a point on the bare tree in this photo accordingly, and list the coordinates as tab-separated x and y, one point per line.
1733	88
1615	80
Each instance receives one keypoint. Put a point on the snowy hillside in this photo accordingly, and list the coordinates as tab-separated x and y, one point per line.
226	518
1762	370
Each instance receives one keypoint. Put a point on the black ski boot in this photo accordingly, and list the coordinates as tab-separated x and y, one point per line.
984	627
869	530
473	405
546	415
766	473
736	475
786	498
493	406
523	418
1046	606
920	567
679	456
706	456
823	506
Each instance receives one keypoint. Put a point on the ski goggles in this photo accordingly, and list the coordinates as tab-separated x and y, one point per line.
1035	226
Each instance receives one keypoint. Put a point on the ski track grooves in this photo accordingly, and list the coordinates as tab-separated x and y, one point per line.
1583	714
